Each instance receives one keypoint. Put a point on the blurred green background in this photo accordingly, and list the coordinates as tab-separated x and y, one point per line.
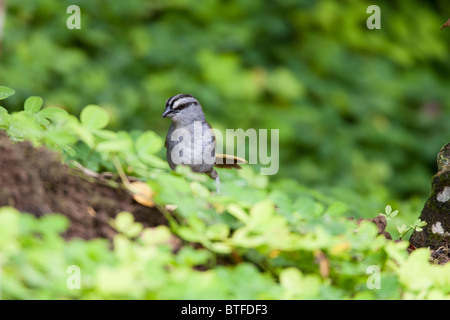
362	113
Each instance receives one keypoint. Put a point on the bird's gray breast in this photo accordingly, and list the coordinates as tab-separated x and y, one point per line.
193	145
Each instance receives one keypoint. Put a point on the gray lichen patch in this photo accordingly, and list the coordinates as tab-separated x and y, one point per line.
443	158
443	196
437	228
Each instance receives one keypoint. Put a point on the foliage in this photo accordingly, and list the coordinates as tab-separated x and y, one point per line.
403	229
362	112
275	244
37	264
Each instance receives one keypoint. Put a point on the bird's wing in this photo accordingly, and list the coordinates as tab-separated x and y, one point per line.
225	160
228	162
169	133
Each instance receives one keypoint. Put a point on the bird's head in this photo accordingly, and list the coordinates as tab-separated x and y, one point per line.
183	108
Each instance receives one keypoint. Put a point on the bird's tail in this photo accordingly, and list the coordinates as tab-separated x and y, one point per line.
228	162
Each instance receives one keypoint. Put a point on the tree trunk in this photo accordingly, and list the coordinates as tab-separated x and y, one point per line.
436	211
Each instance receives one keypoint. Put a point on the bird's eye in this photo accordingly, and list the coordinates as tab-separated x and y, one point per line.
181	106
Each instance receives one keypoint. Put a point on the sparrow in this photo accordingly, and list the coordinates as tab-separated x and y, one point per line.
191	141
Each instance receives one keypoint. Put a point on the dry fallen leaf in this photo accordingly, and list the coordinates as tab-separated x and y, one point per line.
274	253
91	211
324	263
340	248
142	193
447	24
171	207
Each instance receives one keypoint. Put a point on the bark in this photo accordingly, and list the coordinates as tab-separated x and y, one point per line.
436	211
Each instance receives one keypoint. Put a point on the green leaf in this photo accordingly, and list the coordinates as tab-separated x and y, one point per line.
262	211
53	113
124	223
237	212
290	279
124	280
199	190
190	234
5	118
337	208
191	257
9	229
416	273
153	161
221	248
24	126
60	137
298	286
218	231
149	143
242	237
5	92
122	144
43	121
401	229
94	117
306	206
84	133
196	223
105	134
388	210
33	104
53	223
154	236
420	223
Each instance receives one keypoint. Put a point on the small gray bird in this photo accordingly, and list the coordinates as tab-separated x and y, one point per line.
191	141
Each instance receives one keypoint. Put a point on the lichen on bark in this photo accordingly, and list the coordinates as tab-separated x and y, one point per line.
436	211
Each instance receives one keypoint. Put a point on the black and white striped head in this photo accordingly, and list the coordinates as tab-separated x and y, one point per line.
182	106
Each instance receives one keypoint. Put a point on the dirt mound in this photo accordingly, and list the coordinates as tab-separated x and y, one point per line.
34	180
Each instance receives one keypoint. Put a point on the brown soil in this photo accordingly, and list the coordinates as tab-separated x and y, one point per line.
381	223
34	180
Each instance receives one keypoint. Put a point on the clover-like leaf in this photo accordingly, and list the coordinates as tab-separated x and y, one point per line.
149	143
5	92
5	118
218	231
54	113
388	210
94	117
124	223
33	104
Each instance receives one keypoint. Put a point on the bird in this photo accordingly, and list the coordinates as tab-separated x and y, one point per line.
191	141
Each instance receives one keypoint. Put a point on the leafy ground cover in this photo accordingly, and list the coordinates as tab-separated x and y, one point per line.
256	240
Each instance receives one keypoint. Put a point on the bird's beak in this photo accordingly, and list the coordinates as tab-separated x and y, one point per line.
167	113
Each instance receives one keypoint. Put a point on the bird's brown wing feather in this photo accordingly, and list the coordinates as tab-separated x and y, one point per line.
228	162
225	160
